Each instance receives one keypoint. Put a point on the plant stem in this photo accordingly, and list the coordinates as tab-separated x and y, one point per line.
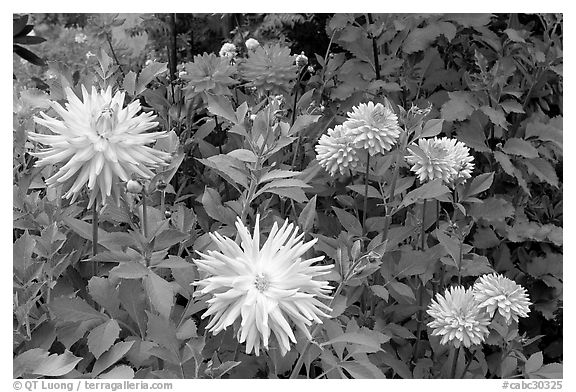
423	227
293	119
468	363
144	215
172	46
109	40
365	195
375	51
419	320
388	216
454	363
94	235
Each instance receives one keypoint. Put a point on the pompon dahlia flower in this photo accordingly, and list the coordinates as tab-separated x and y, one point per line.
457	318
336	152
373	127
228	50
497	292
439	158
268	287
98	141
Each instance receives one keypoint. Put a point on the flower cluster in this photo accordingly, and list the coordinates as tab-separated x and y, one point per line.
98	141
462	316
444	158
370	128
268	287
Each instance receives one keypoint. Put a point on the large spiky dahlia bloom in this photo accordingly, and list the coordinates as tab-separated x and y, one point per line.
443	158
209	73
270	67
457	318
98	141
496	292
337	152
270	288
373	127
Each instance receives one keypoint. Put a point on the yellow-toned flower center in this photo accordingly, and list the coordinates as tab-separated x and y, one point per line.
261	282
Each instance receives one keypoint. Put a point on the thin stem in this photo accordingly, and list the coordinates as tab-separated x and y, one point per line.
437	214
172	46
375	51
94	229
454	363
365	195
293	119
388	217
419	320
468	363
423	227
109	40
144	215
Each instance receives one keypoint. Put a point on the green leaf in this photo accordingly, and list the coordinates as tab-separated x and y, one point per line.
520	147
123	372
224	368
213	205
187	330
364	339
222	107
173	262
496	116
105	293
401	292
110	357
534	363
550	132
359	188
493	209
308	215
505	162
22	252
480	184
74	310
101	338
243	155
432	128
475	265
168	238
296	194
129	83
460	106
282	183
542	169
362	369
350	223
276	174
129	270
231	169
380	291
430	190
162	332
160	293
421	38
148	74
511	106
302	122
552	370
133	300
57	365
83	229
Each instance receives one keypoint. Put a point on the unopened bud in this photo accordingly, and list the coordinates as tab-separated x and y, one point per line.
301	60
134	186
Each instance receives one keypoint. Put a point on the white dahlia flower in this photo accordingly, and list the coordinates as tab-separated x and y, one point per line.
496	292
227	50
373	127
270	288
443	158
97	141
252	43
457	318
336	152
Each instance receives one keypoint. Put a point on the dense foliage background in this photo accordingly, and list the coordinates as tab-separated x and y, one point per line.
493	82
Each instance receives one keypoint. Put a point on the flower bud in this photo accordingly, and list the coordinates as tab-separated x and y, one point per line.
134	186
252	44
301	60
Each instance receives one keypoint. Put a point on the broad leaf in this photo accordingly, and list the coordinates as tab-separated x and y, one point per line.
101	338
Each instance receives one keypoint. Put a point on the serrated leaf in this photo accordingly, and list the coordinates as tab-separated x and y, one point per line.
551	132
505	162
231	169
308	215
101	338
173	262
492	209
551	370
133	300
160	293
350	223
534	363
74	310
421	38
302	122
105	293
213	205
542	169
122	372
520	147
475	265
57	365
22	252
163	332
459	107
111	356
496	116
187	330
168	238
380	291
